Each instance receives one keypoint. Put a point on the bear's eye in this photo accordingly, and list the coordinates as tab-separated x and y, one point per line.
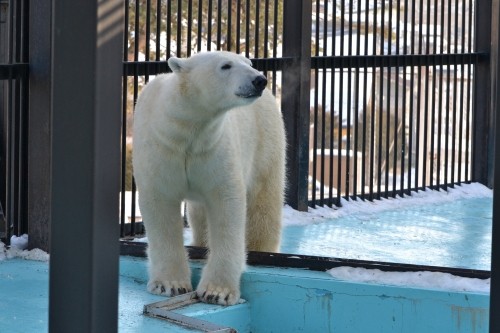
226	66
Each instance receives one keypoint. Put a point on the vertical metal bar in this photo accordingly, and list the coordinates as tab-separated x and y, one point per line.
332	111
158	30
10	151
135	94
457	7
463	100
468	134
433	104
257	25
189	31
440	101
219	24
404	148
388	106
295	98
482	136
425	154
238	26
349	106
275	39
365	108
411	150
341	100
381	104
316	113
373	113
200	25
247	29
356	104
148	30
323	97
124	124
266	30
39	147
419	132
85	141
169	29
494	319
448	106
4	49
230	25
179	28
396	102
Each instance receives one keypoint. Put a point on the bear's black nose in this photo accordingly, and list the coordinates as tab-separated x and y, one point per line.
260	82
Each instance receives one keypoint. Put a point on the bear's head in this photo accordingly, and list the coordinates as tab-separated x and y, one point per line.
218	80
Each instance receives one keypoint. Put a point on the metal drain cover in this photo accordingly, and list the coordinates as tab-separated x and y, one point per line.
164	310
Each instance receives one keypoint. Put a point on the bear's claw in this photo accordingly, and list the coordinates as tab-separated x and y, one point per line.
174	287
218	295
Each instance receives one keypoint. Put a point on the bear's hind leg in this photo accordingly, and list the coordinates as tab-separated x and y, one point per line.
197	220
264	214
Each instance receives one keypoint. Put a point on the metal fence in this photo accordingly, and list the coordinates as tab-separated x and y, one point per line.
389	97
379	98
13	117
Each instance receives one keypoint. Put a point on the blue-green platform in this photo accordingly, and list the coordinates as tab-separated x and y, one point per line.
455	233
278	300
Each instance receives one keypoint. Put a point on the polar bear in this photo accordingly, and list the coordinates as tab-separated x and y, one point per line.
209	134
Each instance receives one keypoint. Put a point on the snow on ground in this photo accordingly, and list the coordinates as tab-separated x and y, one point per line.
18	250
319	214
425	280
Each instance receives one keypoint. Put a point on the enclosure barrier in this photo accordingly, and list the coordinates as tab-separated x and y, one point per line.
13	118
378	99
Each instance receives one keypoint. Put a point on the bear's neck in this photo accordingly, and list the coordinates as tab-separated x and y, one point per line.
189	133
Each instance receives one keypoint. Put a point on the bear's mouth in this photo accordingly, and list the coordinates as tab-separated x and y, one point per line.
253	94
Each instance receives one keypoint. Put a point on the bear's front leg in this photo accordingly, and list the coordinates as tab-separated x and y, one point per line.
220	281
169	273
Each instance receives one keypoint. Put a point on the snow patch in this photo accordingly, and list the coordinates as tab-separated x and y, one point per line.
427	197
426	280
18	250
20	242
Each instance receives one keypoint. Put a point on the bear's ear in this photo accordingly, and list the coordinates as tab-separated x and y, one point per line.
178	65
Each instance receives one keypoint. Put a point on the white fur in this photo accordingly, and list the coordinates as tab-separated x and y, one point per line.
200	135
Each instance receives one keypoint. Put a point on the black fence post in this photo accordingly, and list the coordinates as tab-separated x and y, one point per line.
39	149
87	41
4	9
494	319
483	117
295	98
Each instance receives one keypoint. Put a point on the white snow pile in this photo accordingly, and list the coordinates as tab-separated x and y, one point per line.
18	248
319	214
426	280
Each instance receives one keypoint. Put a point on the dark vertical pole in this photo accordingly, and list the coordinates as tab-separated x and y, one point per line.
4	24
482	136
295	98
39	148
85	163
495	105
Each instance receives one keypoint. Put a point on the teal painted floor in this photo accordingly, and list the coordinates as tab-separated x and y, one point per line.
454	234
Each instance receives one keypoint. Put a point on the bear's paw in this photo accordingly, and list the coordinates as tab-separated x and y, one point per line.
213	294
169	288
